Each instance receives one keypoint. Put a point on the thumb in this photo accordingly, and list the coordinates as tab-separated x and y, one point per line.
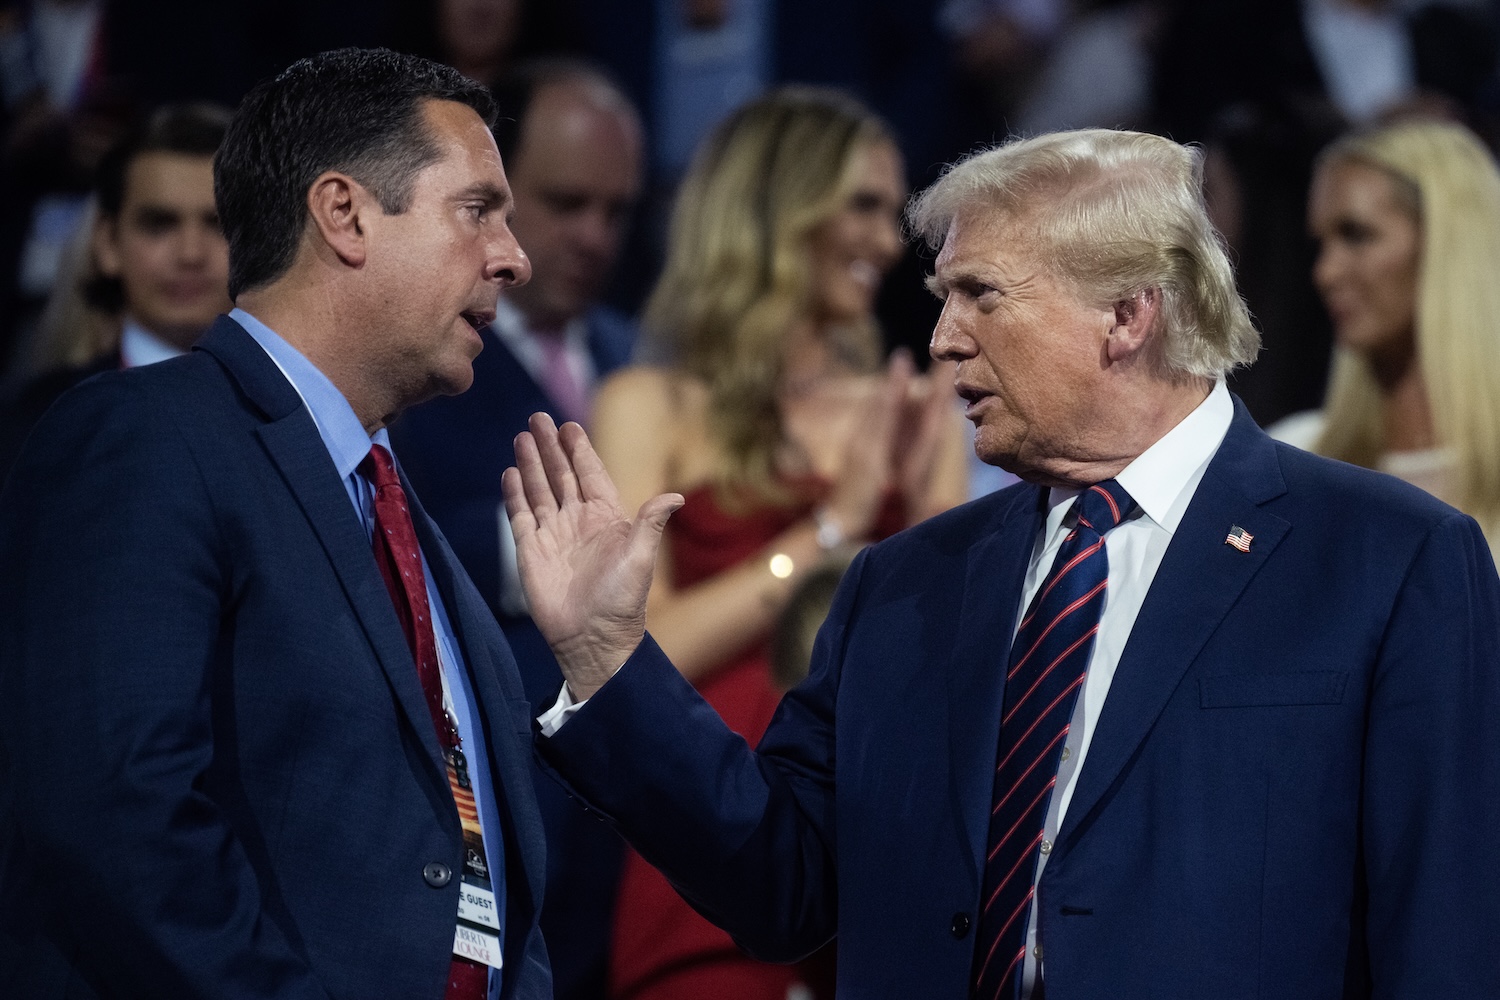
650	522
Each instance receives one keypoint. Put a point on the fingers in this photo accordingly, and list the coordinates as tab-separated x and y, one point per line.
593	480
536	492
560	477
517	508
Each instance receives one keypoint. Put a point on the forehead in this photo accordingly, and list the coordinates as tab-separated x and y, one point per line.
987	239
467	151
1343	187
876	163
571	136
162	178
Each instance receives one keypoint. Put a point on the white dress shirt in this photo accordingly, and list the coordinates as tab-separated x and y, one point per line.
1162	481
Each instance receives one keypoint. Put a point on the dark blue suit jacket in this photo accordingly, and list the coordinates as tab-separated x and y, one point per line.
1293	790
454	448
218	776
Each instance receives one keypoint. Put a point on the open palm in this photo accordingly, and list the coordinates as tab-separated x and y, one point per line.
585	566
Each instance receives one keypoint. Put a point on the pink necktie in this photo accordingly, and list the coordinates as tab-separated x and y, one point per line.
559	380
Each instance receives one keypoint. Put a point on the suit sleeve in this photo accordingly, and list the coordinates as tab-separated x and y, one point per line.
1432	778
748	837
118	597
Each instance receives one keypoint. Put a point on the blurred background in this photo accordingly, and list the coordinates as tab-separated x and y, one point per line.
1263	85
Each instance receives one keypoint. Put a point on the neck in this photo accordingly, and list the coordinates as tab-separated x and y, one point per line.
1406	414
309	320
808	358
1129	427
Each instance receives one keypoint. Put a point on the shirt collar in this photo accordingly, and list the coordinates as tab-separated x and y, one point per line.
511	327
139	346
343	435
1158	476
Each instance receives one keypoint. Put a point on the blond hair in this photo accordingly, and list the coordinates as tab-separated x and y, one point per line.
1114	213
72	331
738	271
1449	182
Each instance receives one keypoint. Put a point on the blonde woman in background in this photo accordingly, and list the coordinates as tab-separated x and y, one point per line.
774	419
1407	217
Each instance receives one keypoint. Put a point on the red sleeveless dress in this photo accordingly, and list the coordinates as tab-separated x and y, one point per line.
661	948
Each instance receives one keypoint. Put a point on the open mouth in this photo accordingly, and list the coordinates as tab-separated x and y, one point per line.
479	320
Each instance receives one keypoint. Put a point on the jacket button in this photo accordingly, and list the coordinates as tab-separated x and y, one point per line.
960	925
437	874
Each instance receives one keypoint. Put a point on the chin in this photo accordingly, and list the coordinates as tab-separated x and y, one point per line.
455	381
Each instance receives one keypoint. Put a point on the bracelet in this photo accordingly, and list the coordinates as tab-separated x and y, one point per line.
830	533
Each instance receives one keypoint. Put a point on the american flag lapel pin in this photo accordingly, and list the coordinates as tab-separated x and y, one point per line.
1239	538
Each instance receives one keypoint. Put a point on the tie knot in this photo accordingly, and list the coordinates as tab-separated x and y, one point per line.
1104	505
378	468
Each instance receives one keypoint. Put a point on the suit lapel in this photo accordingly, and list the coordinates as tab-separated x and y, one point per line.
993	580
496	688
1195	588
292	441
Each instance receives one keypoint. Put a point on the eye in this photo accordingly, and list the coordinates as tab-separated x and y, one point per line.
1351	231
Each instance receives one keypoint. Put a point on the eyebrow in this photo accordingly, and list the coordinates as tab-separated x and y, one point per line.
492	195
957	277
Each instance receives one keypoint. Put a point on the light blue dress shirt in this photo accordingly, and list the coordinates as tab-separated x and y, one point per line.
348	444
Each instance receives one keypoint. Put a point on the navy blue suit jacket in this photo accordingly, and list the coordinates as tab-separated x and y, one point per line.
454	448
1293	790
218	776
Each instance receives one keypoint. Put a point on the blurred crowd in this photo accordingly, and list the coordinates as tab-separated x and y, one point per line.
710	192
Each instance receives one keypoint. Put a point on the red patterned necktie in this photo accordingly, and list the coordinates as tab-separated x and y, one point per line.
399	557
1048	663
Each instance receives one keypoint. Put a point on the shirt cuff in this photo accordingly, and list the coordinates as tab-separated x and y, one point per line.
561	711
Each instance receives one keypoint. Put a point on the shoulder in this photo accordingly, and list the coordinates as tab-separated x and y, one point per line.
1362	532
1353	493
649	392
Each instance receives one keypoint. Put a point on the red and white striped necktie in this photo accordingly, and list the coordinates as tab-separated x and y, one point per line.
1048	663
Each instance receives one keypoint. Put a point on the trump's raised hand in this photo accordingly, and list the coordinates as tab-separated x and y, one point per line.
585	566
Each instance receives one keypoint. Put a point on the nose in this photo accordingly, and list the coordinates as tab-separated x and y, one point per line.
193	243
888	239
507	262
949	341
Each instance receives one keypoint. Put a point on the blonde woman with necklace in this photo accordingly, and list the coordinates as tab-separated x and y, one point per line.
776	422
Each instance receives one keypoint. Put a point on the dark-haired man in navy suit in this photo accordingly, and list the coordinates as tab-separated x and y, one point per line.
1187	713
259	735
572	146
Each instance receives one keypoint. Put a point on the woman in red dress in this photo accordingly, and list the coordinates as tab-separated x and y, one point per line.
774	419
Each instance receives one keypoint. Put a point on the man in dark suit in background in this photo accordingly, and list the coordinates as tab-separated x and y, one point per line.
1187	713
572	145
260	736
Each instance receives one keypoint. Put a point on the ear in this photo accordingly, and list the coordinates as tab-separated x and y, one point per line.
337	206
106	244
1135	319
